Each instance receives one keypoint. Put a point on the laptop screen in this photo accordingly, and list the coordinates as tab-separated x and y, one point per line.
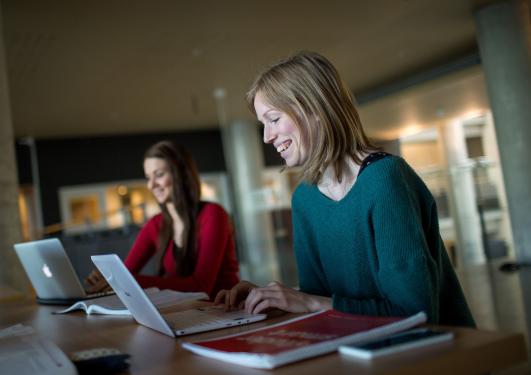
49	269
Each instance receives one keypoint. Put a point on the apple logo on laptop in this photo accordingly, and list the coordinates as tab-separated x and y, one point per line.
46	270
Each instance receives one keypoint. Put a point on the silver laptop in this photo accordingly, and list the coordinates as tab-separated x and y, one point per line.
172	324
51	273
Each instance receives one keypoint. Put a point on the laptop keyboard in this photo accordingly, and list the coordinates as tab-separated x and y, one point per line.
100	294
211	317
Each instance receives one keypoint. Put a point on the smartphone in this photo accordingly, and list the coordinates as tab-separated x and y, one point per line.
397	343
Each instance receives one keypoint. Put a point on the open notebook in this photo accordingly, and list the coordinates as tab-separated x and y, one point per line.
172	324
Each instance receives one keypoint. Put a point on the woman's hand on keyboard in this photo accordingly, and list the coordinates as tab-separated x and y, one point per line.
234	299
277	296
96	283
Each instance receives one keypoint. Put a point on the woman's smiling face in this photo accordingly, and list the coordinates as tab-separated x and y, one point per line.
281	131
159	180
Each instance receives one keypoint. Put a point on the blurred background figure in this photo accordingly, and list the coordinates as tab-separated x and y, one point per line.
192	239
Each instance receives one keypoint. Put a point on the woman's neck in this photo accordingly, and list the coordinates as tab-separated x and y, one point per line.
174	215
177	224
337	188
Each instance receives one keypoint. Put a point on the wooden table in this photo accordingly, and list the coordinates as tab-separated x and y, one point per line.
472	352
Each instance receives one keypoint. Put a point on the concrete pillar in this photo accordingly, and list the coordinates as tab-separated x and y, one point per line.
253	223
490	145
258	261
12	277
469	243
504	36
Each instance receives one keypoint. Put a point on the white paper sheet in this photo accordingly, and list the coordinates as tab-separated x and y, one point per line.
24	352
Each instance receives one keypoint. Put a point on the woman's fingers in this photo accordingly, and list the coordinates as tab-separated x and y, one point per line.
233	298
266	304
98	287
254	300
96	282
107	287
258	295
240	293
278	296
220	297
90	280
94	278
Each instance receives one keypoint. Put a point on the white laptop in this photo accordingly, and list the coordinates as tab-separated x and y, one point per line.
51	273
172	324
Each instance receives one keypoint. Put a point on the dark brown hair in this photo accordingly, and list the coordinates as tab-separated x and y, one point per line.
185	196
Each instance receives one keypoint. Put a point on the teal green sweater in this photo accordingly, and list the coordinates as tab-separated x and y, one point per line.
378	250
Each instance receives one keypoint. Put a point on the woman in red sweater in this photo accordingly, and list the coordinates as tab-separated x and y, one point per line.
194	238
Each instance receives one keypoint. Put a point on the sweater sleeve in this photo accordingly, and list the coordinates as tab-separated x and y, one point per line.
214	235
407	275
312	278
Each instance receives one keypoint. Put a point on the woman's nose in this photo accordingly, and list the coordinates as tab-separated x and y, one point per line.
269	135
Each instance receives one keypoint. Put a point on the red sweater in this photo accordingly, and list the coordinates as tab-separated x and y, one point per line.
216	266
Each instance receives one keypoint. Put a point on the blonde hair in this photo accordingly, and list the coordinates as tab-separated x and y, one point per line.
308	88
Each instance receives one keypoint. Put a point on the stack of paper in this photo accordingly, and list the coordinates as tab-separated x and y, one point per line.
24	352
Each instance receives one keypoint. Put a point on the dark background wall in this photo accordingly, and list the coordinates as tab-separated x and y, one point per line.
22	155
79	161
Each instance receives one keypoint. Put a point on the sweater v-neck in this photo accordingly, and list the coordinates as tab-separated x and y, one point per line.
367	161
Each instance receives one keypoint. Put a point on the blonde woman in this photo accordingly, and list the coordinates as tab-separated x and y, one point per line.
366	236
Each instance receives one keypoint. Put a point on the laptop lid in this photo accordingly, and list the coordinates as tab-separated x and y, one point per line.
130	293
49	269
179	323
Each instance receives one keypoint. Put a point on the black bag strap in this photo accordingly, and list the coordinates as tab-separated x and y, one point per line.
371	158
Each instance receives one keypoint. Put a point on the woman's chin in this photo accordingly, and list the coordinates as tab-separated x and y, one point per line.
290	163
162	200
